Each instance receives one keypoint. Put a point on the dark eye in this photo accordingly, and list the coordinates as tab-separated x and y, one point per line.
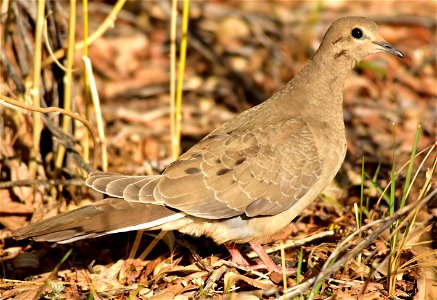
357	33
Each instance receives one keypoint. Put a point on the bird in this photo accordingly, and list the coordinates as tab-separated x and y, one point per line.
248	178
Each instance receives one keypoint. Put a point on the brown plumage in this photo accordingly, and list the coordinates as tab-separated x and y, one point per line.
248	178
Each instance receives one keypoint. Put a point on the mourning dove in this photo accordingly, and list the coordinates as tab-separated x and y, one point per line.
250	177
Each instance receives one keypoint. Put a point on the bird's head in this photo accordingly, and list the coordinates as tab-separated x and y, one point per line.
353	38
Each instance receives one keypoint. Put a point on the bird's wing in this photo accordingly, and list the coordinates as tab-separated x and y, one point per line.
261	171
256	172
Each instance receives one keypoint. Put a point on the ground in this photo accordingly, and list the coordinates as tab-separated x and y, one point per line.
239	53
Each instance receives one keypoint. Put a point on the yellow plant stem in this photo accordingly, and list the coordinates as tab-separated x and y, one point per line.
99	118
173	23
181	70
86	82
36	87
68	78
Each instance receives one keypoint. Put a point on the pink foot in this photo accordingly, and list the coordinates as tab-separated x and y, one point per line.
265	263
237	258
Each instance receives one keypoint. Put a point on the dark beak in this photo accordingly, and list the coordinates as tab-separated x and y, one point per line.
389	48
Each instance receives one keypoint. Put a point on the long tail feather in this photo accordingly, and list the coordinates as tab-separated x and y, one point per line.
103	217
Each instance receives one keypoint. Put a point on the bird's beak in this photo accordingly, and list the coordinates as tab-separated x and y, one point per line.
388	48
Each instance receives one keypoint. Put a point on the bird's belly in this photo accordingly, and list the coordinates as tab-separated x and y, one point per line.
237	229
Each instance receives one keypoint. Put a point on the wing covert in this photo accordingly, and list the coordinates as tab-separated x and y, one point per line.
260	172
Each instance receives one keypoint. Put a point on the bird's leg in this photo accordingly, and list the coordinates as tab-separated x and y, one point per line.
266	261
237	257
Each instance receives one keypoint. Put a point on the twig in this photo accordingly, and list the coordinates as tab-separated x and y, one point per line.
68	141
14	104
196	256
295	243
209	286
105	25
329	268
10	73
236	266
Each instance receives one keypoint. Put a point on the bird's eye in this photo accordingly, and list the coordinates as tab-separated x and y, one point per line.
357	33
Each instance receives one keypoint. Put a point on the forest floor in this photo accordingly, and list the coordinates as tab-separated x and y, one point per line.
239	53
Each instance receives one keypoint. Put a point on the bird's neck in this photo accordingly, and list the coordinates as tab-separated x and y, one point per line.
332	63
321	79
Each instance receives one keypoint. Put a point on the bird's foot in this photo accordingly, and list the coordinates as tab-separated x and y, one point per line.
237	257
266	262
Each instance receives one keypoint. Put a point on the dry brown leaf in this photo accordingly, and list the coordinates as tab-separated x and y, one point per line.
71	292
20	171
426	274
358	268
147	76
105	278
354	290
130	270
232	278
167	295
24	293
13	222
115	59
7	206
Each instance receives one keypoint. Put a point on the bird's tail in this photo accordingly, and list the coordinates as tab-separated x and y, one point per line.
106	216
